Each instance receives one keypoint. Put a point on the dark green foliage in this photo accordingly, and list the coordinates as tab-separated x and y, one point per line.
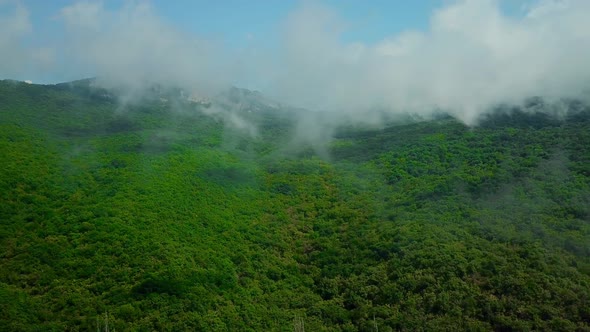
161	286
159	216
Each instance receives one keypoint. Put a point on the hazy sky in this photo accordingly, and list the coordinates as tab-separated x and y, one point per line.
234	24
462	56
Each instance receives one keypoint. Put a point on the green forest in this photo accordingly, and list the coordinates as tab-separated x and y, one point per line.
156	215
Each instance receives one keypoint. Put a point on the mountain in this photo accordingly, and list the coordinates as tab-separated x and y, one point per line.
166	211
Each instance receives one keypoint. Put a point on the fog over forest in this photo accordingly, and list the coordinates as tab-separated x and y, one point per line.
472	56
295	171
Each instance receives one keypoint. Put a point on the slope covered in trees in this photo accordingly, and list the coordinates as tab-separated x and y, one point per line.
158	214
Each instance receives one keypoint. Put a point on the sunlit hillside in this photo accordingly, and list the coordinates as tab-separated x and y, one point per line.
176	214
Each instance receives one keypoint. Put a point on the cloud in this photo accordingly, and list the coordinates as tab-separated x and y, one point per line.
17	57
13	27
472	57
133	47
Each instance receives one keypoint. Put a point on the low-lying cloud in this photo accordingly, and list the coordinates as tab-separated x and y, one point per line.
471	57
132	48
13	27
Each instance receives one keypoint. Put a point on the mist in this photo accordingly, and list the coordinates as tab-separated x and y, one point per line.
471	57
132	48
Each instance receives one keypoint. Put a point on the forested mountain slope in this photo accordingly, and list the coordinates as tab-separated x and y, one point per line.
164	216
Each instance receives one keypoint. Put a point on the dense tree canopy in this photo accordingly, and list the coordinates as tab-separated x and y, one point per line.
162	218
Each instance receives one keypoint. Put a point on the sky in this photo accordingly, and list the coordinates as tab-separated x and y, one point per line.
237	24
461	56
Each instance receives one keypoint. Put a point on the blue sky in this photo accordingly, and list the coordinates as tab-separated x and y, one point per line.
463	55
233	23
233	20
238	22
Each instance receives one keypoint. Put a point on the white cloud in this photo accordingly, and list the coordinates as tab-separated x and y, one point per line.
83	15
17	58
133	46
546	7
473	56
13	27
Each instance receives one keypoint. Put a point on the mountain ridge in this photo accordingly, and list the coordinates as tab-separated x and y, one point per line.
167	216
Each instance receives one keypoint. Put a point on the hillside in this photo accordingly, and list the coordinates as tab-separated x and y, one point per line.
173	214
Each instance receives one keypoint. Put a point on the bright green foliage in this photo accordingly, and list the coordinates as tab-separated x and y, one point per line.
166	220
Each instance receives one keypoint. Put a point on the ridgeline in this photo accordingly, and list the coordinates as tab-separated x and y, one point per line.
160	214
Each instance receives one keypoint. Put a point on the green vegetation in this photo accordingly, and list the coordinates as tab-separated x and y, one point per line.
161	217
